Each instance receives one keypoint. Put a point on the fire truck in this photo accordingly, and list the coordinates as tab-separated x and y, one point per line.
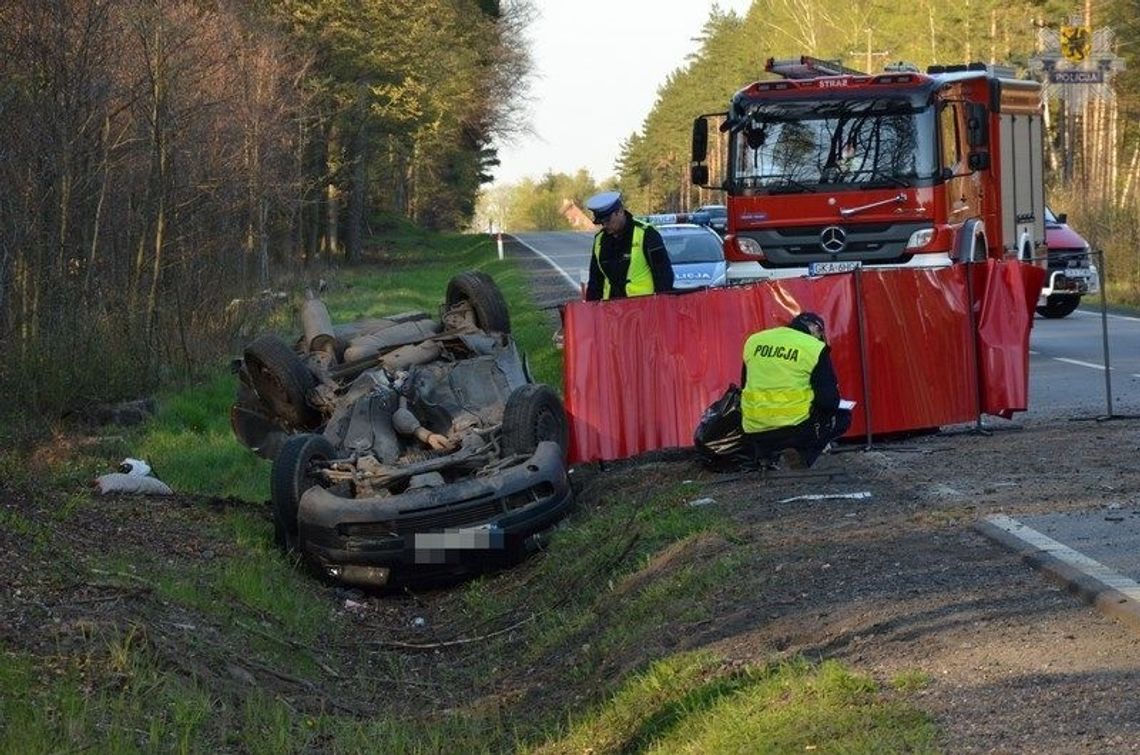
827	168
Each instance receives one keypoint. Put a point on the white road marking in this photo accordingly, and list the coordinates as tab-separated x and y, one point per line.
1079	561
1084	313
1079	363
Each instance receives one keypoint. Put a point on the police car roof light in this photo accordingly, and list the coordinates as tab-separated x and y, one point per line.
697	218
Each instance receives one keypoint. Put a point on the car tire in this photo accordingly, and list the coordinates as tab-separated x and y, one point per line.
282	381
534	413
291	476
480	291
1056	307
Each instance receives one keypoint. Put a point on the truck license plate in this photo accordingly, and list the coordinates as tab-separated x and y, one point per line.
831	268
1083	279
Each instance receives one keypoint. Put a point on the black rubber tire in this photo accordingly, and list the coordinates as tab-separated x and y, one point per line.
479	289
1056	307
282	382
534	413
290	477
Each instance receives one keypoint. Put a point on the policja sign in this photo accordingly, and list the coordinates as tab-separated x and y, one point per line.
1076	77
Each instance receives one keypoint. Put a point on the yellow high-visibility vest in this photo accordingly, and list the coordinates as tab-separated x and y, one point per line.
778	392
639	278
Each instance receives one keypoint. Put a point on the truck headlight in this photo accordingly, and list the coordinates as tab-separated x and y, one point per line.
749	245
921	237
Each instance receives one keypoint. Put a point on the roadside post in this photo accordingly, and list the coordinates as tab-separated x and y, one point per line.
1104	334
861	327
500	244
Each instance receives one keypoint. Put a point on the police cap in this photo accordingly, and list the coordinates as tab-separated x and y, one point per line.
603	205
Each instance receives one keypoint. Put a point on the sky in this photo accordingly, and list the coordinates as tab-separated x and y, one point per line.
598	66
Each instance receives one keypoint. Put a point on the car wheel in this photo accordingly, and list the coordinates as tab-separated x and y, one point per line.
281	380
479	290
294	472
534	413
1056	307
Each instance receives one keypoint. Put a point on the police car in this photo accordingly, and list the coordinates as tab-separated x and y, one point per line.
718	217
696	251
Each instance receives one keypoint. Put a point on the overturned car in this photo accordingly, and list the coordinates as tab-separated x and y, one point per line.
406	447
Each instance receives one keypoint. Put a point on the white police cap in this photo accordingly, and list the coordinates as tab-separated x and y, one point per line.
604	204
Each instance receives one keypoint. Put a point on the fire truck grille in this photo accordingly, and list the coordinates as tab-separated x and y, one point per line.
878	243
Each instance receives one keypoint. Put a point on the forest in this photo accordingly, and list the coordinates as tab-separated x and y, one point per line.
1093	153
162	161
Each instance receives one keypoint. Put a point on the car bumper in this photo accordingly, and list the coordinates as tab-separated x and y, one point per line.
462	524
1076	281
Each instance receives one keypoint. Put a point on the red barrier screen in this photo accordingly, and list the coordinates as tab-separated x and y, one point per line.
639	372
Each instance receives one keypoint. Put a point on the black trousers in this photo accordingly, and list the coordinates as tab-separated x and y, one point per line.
808	438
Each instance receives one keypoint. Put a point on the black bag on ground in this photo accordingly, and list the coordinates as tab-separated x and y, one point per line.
719	438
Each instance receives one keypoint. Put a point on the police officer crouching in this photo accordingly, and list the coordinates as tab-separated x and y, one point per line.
790	399
629	257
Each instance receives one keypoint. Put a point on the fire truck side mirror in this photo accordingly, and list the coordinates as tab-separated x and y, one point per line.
699	175
700	140
976	133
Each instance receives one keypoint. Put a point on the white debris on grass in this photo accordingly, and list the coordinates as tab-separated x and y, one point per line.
861	495
125	484
134	467
133	478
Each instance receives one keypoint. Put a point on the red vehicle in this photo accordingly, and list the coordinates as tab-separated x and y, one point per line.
828	168
1071	272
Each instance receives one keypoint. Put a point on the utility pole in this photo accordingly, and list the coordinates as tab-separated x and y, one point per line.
869	53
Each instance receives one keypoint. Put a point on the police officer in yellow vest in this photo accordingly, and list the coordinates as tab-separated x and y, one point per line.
790	400
629	257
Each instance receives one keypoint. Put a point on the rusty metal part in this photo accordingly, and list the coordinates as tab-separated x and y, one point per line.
359	575
401	334
318	326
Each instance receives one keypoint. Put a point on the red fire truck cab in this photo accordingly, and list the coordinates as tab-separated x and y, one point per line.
827	168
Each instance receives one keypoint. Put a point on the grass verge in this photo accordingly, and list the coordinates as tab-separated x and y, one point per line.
178	627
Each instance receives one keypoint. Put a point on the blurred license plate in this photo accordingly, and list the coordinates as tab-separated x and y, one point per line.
1082	279
830	268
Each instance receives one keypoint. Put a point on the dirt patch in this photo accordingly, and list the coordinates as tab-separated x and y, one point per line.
900	582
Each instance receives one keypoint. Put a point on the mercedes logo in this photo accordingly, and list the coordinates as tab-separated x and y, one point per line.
833	239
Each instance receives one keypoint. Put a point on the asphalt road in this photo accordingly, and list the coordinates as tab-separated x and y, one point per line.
1066	371
568	251
1067	364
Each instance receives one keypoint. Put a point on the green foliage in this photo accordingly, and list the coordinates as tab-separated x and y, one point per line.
55	709
695	703
911	680
191	447
416	128
537	205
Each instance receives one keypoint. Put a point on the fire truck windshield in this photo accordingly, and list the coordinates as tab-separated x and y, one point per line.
781	146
